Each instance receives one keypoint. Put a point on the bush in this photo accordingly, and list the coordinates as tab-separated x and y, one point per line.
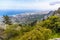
37	34
11	31
52	23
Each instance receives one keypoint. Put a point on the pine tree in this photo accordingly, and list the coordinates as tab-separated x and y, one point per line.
7	20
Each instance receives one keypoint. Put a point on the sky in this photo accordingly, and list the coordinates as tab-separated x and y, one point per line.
29	4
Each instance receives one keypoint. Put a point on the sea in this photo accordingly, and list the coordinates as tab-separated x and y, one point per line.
14	12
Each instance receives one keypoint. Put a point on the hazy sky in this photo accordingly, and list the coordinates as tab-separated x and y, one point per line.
29	4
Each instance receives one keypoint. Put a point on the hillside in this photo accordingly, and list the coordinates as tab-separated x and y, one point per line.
28	17
46	29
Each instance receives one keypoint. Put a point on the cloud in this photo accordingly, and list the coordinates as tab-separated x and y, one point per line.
54	3
28	4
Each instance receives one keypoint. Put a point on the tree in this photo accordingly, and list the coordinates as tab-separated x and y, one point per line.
7	20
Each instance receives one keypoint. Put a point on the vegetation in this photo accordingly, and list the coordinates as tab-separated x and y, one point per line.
37	30
42	30
7	20
52	23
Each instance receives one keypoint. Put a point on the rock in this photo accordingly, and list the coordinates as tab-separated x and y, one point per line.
55	39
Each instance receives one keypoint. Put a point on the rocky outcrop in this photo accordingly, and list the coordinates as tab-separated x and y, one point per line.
55	39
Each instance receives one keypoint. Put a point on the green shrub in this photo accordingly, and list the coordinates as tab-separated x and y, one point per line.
37	34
